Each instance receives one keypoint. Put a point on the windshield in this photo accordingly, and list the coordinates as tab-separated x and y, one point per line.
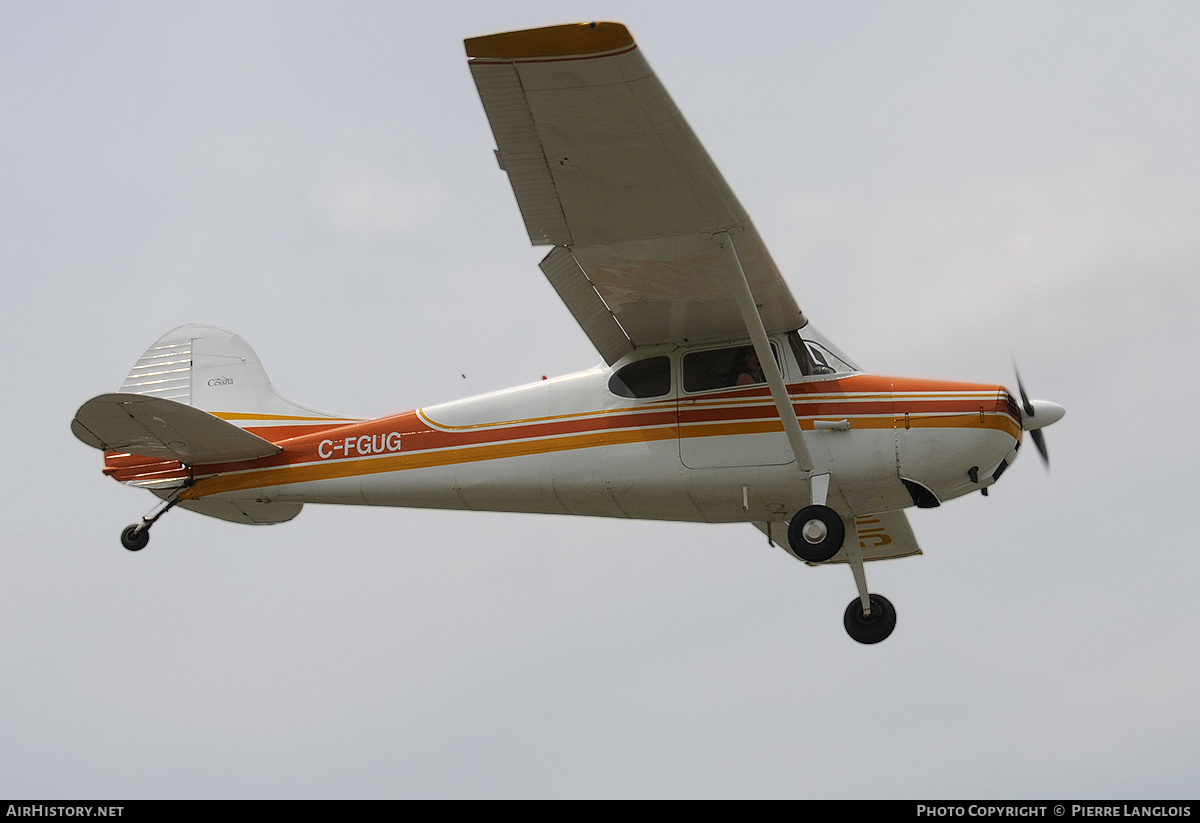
816	355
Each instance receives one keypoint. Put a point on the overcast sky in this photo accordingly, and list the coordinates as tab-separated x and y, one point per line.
946	186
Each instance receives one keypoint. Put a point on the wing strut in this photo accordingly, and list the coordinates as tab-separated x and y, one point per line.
762	347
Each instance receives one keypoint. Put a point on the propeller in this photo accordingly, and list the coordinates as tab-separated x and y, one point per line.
1036	415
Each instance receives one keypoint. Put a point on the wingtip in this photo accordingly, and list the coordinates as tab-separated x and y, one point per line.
552	41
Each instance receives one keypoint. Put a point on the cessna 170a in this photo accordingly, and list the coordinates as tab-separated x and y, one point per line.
717	401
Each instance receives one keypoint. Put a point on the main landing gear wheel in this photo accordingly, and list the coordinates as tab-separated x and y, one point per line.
874	628
133	539
816	533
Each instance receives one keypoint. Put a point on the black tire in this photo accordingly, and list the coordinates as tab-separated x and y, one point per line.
133	539
826	545
871	629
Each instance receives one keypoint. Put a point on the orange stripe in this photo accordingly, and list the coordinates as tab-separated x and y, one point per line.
308	472
745	411
418	460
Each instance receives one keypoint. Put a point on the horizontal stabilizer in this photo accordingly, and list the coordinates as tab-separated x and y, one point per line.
246	511
164	429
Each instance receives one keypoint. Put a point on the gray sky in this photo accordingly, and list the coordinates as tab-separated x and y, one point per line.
944	185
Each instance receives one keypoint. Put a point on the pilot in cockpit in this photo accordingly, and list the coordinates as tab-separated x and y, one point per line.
746	368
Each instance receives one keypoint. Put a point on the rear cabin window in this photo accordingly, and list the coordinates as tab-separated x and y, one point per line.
644	378
723	368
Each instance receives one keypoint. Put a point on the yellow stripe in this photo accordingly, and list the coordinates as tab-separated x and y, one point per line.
419	460
659	406
992	420
307	472
277	417
700	402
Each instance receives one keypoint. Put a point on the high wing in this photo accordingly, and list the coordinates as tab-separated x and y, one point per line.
606	170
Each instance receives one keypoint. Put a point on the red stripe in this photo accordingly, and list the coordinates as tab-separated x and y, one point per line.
301	443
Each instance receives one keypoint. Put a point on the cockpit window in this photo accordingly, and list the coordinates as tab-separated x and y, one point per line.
816	356
722	368
642	378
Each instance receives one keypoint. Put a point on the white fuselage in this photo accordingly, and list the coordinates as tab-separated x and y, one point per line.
571	445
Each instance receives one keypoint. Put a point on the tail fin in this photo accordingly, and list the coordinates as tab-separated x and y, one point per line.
215	370
218	375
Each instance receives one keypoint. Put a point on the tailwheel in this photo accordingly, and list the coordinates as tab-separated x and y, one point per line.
816	533
135	538
874	627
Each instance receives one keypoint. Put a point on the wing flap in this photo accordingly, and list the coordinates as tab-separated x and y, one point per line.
164	429
584	302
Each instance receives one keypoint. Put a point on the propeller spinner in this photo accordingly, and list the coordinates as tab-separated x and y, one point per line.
1036	415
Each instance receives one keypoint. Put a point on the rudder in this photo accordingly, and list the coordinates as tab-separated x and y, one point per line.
215	370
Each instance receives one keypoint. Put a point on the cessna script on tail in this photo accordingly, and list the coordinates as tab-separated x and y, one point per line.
717	401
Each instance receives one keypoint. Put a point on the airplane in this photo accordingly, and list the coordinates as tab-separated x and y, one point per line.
717	401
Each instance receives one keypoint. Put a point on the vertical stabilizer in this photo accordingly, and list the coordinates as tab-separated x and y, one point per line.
213	369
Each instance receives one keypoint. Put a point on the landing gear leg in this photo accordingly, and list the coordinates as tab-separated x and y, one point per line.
136	536
869	618
816	534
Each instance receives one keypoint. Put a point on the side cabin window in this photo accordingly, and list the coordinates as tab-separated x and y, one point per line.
723	368
642	378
